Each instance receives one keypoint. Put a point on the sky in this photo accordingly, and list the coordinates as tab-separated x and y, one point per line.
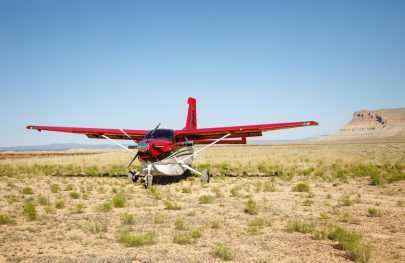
133	64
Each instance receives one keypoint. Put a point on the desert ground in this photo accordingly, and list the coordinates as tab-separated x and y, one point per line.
274	203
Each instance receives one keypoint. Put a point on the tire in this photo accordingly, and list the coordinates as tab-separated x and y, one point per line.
148	181
205	177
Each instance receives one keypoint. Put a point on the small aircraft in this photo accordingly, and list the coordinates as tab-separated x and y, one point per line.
167	152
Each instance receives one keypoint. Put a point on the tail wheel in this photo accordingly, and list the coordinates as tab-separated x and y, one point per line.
205	177
132	177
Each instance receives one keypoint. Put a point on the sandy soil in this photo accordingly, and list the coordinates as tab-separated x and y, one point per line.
61	235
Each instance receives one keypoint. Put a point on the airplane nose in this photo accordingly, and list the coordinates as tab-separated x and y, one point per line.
143	147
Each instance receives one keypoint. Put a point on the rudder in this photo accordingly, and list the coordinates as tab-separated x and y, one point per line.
191	122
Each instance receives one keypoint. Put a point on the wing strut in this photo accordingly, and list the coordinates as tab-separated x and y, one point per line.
181	162
119	144
202	149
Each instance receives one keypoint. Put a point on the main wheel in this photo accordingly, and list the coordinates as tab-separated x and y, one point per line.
205	177
148	181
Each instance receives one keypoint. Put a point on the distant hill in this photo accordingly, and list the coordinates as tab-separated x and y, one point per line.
58	147
372	125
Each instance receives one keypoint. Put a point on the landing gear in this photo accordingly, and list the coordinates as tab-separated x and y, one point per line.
133	176
148	178
148	181
205	177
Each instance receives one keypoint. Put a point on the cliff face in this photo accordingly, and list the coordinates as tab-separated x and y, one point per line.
368	125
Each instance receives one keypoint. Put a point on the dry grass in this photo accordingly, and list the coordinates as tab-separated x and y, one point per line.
241	215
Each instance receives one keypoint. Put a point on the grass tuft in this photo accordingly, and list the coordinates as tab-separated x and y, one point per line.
374	212
29	211
96	226
179	224
55	188
301	187
127	218
118	201
251	207
171	205
59	203
74	195
205	199
186	190
223	252
129	239
104	207
5	219
27	190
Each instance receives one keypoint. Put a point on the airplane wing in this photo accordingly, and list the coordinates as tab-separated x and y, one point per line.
238	131
120	134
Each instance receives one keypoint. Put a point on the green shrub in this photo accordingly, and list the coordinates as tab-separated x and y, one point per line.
374	212
348	218
59	203
345	200
104	207
223	252
301	187
29	211
74	195
158	219
55	188
269	187
351	242
299	226
179	224
186	190
27	190
154	191
96	226
235	191
42	200
77	209
171	205
251	207
308	202
118	201
129	239
376	180
49	209
70	187
394	177
127	218
183	238
5	219
215	224
205	199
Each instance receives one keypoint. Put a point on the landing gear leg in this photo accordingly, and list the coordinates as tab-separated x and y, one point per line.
205	177
148	178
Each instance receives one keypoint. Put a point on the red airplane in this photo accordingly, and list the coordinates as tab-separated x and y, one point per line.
170	152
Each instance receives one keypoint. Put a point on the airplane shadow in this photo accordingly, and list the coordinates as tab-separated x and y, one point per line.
163	180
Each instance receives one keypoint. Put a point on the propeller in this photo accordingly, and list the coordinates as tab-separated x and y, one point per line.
133	159
153	132
152	155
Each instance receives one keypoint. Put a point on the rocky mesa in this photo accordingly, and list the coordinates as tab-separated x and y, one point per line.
372	125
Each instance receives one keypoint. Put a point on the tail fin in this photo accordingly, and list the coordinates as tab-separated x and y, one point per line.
191	122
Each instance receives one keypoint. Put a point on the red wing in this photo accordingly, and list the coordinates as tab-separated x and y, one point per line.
239	131
119	134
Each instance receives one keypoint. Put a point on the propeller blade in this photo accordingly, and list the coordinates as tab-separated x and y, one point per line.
136	155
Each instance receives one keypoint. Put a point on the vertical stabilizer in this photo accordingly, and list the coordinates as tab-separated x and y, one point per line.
191	122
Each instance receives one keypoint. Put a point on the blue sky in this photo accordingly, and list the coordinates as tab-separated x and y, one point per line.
132	64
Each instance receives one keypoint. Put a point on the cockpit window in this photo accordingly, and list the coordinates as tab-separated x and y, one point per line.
160	134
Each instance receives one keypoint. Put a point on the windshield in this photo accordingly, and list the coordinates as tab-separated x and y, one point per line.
160	134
